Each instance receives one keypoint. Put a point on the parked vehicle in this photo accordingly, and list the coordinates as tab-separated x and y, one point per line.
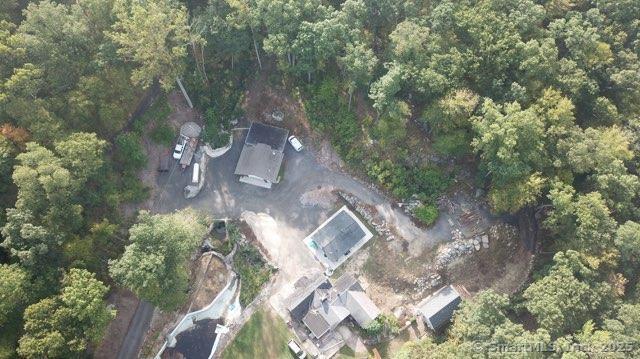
295	143
164	162
296	349
177	151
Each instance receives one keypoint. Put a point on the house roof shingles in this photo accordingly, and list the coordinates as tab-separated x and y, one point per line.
263	152
438	308
274	137
260	161
321	306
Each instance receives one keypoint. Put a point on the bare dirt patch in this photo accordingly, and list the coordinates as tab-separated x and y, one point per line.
388	272
504	266
322	197
211	282
262	99
125	303
181	112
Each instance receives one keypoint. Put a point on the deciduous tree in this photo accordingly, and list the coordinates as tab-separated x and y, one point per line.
566	298
14	291
65	324
155	36
154	264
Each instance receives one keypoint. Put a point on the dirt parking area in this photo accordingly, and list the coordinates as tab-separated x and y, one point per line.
285	251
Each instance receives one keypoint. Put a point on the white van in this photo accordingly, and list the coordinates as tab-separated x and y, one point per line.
295	348
196	173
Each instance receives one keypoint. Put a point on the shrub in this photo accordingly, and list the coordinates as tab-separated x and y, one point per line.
428	182
426	214
215	128
129	153
252	270
383	324
455	143
162	134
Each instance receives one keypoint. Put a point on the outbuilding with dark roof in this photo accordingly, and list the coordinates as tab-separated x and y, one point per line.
438	308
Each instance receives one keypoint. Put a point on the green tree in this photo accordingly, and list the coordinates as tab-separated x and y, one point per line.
7	153
358	64
452	111
426	348
154	265
409	41
483	321
155	36
595	149
627	240
511	145
624	327
568	296
64	325
14	291
583	222
82	154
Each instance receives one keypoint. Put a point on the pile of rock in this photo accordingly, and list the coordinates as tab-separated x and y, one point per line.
451	251
503	231
410	205
369	215
429	281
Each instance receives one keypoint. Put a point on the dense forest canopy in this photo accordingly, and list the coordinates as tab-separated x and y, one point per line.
541	97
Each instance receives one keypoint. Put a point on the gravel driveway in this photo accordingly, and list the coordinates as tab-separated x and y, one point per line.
277	215
224	196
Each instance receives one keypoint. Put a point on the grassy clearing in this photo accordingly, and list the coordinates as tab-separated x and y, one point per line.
264	336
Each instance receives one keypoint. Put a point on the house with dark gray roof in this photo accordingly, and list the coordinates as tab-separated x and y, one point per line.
262	155
321	305
438	308
338	238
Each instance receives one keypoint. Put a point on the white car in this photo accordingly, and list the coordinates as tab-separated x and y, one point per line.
295	348
295	142
177	151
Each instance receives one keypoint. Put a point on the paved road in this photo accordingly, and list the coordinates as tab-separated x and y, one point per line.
137	329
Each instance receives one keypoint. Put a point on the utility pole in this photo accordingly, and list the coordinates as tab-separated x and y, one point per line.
184	92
